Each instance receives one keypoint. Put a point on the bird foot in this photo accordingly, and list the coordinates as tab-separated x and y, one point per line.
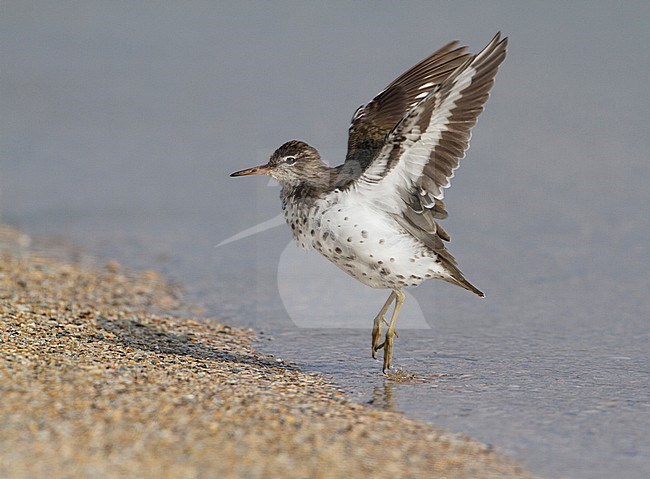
388	350
376	336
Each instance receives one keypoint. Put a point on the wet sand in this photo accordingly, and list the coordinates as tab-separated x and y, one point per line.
98	378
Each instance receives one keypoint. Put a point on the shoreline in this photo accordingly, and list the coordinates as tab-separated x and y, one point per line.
97	380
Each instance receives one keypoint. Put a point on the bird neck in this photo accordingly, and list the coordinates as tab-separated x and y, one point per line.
314	182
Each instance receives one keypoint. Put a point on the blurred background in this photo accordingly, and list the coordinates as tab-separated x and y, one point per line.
120	122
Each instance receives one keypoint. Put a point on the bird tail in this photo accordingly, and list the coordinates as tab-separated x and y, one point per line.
463	283
455	275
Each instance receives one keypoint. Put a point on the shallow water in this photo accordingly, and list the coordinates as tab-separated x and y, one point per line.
120	125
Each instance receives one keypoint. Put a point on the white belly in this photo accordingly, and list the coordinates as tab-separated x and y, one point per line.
365	243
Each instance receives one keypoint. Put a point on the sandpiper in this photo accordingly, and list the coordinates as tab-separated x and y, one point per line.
376	215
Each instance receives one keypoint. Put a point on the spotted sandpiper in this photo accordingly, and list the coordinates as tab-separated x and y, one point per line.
376	215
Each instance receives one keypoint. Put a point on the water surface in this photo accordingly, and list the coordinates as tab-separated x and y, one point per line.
121	122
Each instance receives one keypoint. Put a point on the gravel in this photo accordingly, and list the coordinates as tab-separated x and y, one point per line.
104	373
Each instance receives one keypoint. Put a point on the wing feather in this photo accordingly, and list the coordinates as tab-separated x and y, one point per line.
372	122
424	149
419	155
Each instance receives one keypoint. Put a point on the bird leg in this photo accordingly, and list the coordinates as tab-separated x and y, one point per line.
388	342
376	328
386	323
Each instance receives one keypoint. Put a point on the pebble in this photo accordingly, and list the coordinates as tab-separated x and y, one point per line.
102	374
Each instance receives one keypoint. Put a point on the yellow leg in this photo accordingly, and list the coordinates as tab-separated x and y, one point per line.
376	328
388	342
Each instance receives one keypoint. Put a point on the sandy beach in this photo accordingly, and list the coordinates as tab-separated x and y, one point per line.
99	379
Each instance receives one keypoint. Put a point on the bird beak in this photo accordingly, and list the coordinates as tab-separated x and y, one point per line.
257	170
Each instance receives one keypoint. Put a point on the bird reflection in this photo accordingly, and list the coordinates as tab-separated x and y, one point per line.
382	397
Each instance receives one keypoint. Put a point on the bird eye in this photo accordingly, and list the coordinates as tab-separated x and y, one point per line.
290	160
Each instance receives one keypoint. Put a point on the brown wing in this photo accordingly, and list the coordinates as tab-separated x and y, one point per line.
422	151
372	122
419	156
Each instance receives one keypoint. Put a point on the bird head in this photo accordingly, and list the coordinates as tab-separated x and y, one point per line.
293	164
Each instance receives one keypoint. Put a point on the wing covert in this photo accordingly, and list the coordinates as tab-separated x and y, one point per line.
421	153
372	122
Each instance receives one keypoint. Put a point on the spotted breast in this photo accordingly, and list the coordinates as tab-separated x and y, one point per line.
378	253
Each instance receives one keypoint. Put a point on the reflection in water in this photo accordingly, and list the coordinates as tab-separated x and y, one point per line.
382	397
382	394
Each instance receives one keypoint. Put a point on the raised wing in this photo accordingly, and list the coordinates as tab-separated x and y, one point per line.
422	151
419	156
372	122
